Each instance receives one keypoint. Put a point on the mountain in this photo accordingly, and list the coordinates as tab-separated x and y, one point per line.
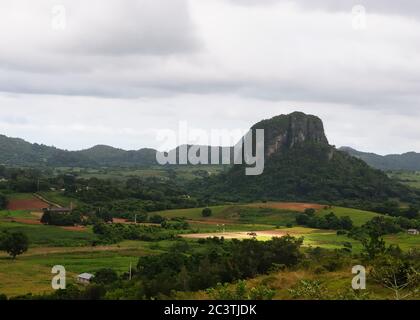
406	161
18	152
108	156
300	164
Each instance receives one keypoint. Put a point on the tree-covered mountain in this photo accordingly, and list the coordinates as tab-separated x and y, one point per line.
109	156
301	165
406	161
18	152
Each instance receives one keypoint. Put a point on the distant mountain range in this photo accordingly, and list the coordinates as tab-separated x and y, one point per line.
18	152
406	161
300	164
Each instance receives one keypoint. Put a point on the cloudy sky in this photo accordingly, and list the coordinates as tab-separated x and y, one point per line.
78	73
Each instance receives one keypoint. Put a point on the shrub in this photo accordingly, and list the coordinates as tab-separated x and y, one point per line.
206	212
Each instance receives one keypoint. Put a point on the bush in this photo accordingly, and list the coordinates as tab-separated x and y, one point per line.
309	211
157	219
206	212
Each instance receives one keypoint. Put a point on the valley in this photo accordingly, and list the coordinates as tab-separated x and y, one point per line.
208	232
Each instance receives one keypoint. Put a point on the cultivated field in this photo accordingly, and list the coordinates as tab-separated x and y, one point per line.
72	246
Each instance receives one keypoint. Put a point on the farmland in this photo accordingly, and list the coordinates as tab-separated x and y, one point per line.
54	245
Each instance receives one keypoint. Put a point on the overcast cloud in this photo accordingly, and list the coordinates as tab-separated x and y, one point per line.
122	69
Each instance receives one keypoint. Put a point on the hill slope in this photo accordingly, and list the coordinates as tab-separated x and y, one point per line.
406	161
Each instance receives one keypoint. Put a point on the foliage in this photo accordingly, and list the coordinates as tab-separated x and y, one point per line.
398	274
14	243
116	232
329	221
309	289
105	276
3	201
206	212
240	292
61	219
220	262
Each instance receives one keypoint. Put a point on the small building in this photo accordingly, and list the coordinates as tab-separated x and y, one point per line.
85	278
413	232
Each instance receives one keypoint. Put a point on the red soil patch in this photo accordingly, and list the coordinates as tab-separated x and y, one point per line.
120	220
212	221
295	206
27	204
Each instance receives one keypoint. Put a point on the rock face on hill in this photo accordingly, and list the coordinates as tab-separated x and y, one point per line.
300	164
284	132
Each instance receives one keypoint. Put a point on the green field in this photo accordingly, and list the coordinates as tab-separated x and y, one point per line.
59	198
359	217
40	235
51	245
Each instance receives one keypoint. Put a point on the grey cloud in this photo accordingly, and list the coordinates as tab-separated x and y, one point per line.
130	27
402	7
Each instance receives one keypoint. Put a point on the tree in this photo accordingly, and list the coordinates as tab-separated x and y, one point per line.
412	212
157	219
309	211
46	218
3	201
206	212
346	223
397	275
15	243
373	245
105	276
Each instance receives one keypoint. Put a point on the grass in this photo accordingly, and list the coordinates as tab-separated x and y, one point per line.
359	217
10	214
51	245
236	214
19	196
33	273
41	235
59	198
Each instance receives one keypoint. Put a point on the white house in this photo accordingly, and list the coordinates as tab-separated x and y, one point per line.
413	231
85	278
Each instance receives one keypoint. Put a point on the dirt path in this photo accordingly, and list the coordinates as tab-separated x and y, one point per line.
239	234
47	201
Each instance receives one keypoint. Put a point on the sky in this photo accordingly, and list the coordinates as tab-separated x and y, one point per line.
75	73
